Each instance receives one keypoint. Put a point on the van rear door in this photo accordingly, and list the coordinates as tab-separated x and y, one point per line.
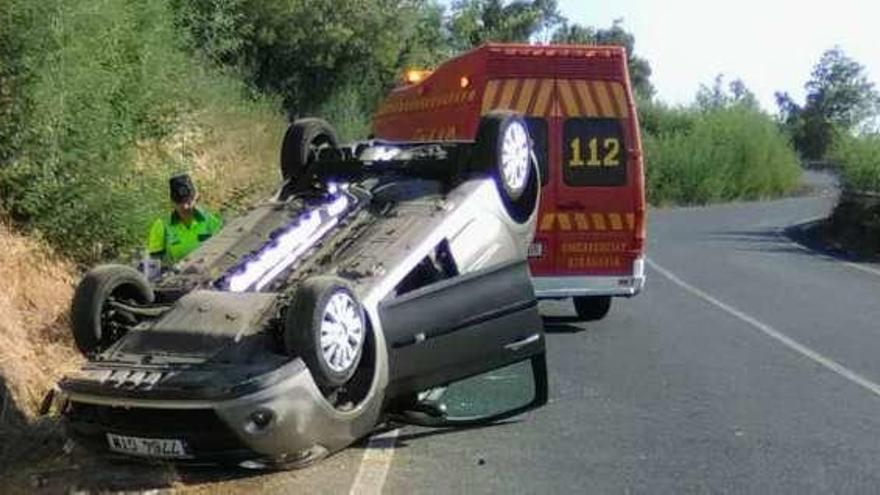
597	193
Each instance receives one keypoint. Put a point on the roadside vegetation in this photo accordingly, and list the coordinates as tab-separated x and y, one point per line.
838	128
35	344
858	160
721	148
101	103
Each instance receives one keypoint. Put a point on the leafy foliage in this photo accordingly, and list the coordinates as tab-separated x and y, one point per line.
719	96
474	22
101	82
719	154
307	52
859	161
840	98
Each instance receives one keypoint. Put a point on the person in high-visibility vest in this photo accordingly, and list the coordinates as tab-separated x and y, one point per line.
173	237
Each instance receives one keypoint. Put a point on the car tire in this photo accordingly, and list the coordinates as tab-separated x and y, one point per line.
326	326
89	312
305	140
592	308
503	149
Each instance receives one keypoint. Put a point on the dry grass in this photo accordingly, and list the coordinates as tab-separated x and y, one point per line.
236	159
35	344
233	156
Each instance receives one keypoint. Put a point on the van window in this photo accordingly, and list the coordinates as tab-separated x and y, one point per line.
594	152
538	132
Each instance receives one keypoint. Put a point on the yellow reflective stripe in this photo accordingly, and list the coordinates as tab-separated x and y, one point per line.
507	94
605	107
580	220
564	222
620	98
543	98
554	110
587	221
525	96
616	221
584	92
489	96
547	221
568	101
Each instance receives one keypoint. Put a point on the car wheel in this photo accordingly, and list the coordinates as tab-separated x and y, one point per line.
96	325
305	140
326	326
504	149
592	308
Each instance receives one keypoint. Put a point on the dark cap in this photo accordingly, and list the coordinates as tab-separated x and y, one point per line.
182	188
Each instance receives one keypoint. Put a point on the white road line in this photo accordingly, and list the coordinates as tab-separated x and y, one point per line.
771	332
375	464
864	268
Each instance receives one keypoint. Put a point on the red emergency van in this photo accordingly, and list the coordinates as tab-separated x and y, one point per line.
578	103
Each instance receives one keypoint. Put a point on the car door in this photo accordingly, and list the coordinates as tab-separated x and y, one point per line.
460	325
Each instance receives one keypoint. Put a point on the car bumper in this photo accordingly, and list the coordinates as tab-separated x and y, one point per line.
303	426
573	286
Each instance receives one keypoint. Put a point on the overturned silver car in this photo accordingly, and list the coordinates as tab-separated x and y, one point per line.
380	270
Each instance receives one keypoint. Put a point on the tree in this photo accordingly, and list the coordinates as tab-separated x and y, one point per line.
307	52
840	98
719	96
639	68
473	22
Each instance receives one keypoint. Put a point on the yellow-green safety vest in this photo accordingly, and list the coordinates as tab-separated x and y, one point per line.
171	239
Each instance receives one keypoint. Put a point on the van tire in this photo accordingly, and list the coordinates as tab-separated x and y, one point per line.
592	308
320	302
304	142
89	311
503	149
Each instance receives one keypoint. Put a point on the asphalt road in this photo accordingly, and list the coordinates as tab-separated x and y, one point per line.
748	365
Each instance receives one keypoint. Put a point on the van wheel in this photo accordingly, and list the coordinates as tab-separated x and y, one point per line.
304	142
326	327
96	325
503	149
592	308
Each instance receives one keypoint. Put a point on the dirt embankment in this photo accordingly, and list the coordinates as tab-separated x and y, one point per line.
35	343
854	225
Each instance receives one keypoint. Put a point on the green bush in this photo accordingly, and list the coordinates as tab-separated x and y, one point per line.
108	106
722	154
858	159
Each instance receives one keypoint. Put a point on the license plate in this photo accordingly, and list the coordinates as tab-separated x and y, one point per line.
164	448
536	250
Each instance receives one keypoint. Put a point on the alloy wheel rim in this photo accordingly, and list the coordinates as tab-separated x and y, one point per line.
515	156
342	332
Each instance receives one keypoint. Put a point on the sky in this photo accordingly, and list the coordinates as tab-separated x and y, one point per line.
772	45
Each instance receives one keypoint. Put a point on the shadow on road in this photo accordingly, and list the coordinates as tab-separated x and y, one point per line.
562	324
766	241
814	237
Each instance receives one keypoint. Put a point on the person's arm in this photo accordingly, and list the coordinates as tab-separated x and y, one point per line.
156	248
215	223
